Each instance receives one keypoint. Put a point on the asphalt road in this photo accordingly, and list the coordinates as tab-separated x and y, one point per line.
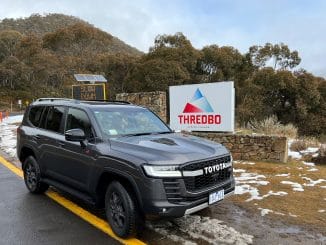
36	219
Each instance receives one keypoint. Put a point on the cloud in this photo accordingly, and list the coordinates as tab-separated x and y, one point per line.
241	24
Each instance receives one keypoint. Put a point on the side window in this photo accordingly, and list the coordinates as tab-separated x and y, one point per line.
44	115
54	118
79	119
35	114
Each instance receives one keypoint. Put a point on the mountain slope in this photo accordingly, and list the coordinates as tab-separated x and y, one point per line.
58	24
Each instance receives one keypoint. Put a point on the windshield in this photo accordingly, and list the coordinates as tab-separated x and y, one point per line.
129	121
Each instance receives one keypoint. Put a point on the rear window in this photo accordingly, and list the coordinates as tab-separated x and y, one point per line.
35	114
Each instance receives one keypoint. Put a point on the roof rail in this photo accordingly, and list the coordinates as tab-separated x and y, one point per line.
82	101
108	101
54	99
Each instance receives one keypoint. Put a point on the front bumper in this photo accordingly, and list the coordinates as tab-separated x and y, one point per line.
156	204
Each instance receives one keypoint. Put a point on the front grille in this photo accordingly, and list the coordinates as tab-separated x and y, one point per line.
208	180
201	165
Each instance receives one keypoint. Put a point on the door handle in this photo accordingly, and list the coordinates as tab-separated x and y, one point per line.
61	144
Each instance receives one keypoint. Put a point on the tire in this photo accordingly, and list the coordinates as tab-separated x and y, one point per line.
32	176
121	211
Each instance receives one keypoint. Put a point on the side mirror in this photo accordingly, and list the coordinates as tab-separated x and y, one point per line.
76	134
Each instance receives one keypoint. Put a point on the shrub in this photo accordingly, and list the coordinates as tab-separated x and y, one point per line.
299	145
321	158
271	126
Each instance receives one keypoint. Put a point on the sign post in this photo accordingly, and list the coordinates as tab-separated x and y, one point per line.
202	107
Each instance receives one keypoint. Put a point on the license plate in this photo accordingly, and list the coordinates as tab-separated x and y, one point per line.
216	196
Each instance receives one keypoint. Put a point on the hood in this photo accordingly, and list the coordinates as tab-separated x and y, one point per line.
170	148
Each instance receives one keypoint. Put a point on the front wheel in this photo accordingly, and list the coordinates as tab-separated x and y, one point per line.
32	176
121	211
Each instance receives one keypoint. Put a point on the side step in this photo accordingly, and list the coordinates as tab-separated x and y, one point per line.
80	195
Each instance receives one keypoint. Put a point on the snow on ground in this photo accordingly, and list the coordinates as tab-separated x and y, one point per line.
298	154
7	135
248	182
309	150
310	164
321	211
244	162
283	175
238	170
244	184
264	211
293	154
313	182
312	170
295	186
212	231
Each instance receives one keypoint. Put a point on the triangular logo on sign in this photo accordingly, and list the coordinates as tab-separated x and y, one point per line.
198	104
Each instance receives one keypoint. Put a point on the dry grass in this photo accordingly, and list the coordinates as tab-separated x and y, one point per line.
269	126
304	205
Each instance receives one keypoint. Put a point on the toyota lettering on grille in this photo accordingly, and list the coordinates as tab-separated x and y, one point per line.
217	167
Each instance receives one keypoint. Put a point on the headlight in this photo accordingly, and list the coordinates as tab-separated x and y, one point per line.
162	171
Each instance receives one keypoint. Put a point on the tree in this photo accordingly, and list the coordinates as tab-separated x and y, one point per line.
175	48
219	63
9	41
279	55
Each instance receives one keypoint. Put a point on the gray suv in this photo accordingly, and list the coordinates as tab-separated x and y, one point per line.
120	157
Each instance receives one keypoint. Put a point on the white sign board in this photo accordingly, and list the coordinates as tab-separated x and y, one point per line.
202	107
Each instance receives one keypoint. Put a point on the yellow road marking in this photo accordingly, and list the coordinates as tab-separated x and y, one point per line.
82	213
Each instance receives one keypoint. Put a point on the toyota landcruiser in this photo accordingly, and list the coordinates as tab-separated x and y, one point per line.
121	157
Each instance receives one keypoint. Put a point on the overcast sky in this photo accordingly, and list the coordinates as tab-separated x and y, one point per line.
301	24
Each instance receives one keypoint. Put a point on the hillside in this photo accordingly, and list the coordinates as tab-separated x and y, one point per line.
58	23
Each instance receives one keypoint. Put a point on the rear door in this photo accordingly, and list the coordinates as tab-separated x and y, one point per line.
52	125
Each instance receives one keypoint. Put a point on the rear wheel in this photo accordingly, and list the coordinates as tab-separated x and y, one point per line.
32	176
121	211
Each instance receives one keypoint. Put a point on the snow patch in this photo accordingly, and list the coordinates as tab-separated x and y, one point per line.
293	215
321	211
295	186
8	136
310	150
238	170
245	184
313	182
264	211
311	164
13	119
282	175
293	154
312	170
244	162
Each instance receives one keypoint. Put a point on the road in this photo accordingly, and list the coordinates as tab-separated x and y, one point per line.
36	219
